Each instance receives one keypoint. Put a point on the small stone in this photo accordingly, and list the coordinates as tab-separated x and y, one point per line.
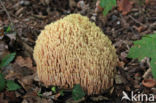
118	22
93	18
46	94
24	3
114	18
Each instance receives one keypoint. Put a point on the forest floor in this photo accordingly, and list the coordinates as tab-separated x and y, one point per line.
30	17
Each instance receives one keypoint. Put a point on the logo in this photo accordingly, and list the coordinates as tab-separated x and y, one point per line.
139	97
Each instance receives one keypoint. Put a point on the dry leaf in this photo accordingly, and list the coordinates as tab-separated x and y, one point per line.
147	2
149	83
11	97
3	49
72	3
25	62
121	64
151	2
1	32
15	71
2	100
124	6
119	79
31	97
98	7
56	96
140	29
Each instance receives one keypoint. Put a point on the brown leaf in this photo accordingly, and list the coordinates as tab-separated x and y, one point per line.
2	100
153	2
3	49
149	83
121	64
15	71
27	62
140	28
56	96
147	2
31	97
11	97
124	6
24	62
119	79
72	3
27	82
98	7
1	32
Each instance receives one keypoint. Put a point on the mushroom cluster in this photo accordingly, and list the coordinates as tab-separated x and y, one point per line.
72	51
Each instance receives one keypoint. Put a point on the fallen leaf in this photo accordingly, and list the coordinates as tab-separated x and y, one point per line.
3	49
72	3
45	101
149	83
147	2
56	96
137	75
140	29
99	98
81	4
46	94
1	32
24	62
2	100
152	2
119	79
17	72
70	100
98	7
124	6
11	97
31	97
27	82
121	64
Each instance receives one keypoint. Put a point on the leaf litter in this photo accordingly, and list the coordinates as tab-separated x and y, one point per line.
121	27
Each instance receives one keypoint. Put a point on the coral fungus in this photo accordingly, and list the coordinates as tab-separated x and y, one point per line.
74	50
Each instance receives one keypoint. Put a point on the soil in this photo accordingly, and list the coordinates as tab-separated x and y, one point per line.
28	17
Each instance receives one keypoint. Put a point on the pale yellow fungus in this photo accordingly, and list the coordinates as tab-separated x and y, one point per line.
74	50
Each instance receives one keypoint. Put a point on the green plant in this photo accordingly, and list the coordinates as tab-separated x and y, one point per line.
39	93
7	29
11	85
2	82
7	59
53	89
77	92
107	5
146	47
61	93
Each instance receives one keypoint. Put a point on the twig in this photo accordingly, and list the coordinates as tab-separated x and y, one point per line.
147	73
25	45
12	26
137	21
